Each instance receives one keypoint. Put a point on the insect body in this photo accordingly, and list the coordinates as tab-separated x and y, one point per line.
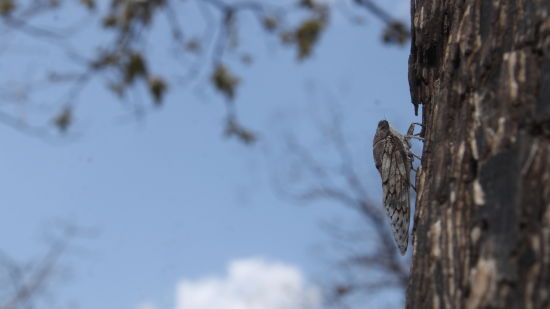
394	162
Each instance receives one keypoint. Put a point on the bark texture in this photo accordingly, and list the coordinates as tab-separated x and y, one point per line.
481	70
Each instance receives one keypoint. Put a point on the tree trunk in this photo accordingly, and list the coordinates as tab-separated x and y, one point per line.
481	70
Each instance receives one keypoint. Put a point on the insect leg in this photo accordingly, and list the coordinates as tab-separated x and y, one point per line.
410	131
414	136
415	155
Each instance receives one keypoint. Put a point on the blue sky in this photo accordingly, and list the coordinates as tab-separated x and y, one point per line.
171	201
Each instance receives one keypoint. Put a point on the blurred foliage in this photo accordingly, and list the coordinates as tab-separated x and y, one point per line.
157	87
224	81
130	66
125	62
6	6
134	67
105	59
308	4
396	33
307	35
270	23
90	4
64	119
233	128
125	14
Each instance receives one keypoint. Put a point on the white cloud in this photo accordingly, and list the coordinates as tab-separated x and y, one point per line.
146	305
252	283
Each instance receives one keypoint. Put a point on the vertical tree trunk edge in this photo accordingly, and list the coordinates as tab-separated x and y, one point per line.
481	237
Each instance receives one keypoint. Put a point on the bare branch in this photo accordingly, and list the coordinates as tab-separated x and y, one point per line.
30	280
345	187
37	279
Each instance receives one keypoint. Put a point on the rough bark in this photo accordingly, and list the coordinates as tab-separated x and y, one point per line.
481	70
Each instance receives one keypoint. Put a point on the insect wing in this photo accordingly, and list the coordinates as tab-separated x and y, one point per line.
394	166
